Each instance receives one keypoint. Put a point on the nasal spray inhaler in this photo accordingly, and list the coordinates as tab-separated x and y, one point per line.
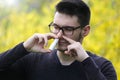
54	43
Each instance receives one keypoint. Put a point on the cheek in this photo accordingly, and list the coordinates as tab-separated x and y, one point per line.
76	36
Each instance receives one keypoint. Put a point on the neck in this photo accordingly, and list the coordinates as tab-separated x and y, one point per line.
65	59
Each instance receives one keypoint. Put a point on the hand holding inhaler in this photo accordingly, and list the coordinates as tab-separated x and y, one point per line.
52	46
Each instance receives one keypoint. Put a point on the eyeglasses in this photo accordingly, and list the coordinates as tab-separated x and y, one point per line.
67	30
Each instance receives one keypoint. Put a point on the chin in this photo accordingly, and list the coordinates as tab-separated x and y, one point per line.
61	48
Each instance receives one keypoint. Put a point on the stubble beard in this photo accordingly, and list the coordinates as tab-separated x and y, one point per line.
62	50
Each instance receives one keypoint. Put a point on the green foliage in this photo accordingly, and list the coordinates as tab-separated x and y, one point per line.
102	40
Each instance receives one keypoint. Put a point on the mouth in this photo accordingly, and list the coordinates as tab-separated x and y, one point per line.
62	42
62	45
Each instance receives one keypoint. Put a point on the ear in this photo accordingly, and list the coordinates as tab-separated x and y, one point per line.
86	30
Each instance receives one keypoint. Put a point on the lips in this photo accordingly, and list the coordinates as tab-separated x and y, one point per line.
63	42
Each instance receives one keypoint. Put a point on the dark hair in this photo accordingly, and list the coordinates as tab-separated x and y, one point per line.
77	8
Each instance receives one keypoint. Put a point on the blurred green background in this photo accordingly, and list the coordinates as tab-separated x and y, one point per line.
19	19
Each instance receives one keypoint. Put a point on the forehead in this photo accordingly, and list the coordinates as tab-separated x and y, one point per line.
65	20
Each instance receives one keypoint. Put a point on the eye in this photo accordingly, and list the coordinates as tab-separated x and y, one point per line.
68	28
55	26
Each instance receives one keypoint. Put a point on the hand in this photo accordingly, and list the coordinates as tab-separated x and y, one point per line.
76	50
37	42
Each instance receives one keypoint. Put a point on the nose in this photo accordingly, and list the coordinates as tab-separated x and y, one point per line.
60	33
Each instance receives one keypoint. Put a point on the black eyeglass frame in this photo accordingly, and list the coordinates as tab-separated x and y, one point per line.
62	28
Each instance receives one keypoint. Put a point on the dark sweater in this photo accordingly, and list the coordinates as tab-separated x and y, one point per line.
18	64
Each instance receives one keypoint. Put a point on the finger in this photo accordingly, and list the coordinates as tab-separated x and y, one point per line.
51	35
68	39
60	33
66	52
69	48
40	39
45	50
71	53
45	40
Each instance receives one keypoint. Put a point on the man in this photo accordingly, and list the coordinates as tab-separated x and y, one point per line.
31	61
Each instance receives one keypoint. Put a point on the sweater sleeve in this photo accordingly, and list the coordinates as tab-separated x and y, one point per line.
11	56
95	72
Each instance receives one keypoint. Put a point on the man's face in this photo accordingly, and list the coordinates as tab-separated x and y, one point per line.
63	20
